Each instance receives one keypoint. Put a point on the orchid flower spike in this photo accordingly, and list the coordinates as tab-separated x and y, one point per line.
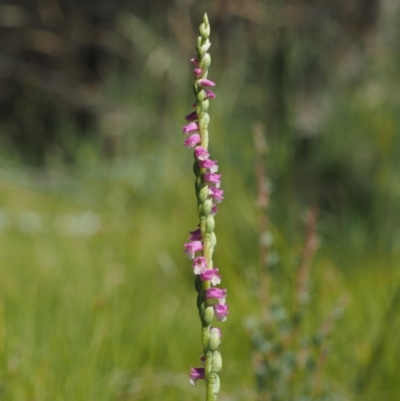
201	243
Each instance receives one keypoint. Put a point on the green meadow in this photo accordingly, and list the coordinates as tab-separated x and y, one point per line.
97	297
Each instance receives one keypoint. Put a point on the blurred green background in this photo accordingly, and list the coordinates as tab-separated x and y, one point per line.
96	197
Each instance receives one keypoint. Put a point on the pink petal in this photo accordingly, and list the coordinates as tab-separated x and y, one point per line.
205	82
192	141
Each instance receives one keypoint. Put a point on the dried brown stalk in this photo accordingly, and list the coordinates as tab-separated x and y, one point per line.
310	247
325	329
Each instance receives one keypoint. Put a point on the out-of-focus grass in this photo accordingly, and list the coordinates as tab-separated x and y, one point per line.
98	302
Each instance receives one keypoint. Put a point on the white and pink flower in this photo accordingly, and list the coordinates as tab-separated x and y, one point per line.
193	247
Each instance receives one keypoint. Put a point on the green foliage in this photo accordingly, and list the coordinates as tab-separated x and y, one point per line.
289	357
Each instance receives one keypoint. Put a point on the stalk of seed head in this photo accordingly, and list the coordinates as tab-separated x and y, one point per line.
310	247
202	241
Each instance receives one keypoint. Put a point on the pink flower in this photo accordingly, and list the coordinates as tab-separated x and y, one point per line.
192	141
205	82
194	61
201	153
195	235
211	275
192	247
197	72
216	194
213	178
209	164
210	94
199	265
191	117
214	210
191	127
221	311
217	293
217	330
196	374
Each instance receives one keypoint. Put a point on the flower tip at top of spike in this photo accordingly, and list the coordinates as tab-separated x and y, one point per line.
204	28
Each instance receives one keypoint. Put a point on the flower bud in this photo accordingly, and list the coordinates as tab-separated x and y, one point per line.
203	193
216	362
201	96
204	30
204	48
215	382
205	119
199	42
204	105
210	223
206	62
213	240
205	19
215	339
207	206
208	315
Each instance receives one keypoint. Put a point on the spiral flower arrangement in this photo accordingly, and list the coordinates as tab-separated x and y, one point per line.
201	242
